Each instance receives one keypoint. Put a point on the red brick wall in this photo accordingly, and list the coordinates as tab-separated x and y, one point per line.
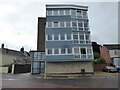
104	53
99	67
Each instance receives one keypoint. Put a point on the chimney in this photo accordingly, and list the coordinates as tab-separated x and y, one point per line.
22	50
2	46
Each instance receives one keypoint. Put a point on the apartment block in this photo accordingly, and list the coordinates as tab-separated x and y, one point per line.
64	39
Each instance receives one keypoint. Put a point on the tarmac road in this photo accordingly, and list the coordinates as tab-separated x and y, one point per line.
28	81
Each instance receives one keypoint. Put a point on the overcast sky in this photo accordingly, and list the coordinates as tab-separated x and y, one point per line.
18	21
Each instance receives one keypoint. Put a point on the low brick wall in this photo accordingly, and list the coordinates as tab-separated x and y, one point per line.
99	67
69	67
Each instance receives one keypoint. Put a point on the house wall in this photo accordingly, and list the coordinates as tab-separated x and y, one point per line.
104	53
3	70
7	59
114	53
69	67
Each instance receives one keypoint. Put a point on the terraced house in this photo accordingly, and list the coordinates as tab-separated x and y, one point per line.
64	38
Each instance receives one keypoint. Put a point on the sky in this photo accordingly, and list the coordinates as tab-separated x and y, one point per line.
18	21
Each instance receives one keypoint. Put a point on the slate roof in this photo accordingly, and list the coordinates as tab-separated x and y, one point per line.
11	52
112	46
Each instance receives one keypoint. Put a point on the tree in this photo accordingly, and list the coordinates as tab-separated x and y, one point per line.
96	55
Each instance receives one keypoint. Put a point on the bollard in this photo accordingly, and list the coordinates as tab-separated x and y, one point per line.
83	72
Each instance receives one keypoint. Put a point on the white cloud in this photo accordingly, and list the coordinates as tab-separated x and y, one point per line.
18	22
6	9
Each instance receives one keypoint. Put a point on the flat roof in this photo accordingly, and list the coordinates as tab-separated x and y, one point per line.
66	6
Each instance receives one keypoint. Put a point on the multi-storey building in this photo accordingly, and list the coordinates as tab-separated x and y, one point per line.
68	46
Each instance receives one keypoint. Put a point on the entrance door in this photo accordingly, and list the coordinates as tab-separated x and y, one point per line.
36	67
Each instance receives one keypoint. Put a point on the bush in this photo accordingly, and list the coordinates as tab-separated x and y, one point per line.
96	55
100	61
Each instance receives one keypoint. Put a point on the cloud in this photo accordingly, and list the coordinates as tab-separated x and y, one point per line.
18	21
6	9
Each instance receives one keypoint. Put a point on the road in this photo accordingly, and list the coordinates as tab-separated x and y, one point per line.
27	81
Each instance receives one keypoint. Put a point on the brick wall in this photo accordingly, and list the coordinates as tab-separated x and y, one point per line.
104	53
99	67
69	67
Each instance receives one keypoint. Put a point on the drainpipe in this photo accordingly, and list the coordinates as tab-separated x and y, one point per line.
45	71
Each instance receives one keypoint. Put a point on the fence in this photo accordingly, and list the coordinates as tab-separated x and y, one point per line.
21	68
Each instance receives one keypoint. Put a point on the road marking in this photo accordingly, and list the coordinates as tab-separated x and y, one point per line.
11	79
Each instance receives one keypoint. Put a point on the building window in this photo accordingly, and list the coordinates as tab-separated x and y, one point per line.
56	37
61	24
86	29
43	56
85	23
77	56
116	52
49	37
42	65
67	12
87	36
73	13
81	36
55	12
62	37
76	50
79	15
67	23
56	51
69	50
75	37
49	51
49	24
63	50
49	12
89	51
85	14
89	56
35	54
68	37
61	12
56	24
80	24
74	24
80	29
83	52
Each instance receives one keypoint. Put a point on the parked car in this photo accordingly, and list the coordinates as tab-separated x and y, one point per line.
118	68
109	69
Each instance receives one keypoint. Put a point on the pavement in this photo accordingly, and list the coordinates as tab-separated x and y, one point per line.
97	74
